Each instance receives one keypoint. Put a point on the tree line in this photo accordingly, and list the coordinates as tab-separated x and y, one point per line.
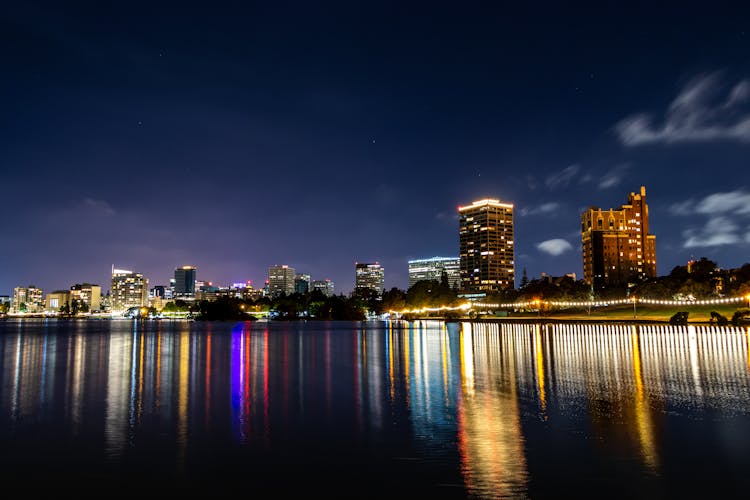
701	280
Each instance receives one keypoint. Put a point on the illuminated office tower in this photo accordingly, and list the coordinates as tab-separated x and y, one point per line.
325	286
432	270
486	251
617	246
280	280
129	289
369	275
28	299
184	282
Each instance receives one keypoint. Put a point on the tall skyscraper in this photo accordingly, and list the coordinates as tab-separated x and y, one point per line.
369	275
325	286
433	268
184	282
129	289
280	280
617	246
486	250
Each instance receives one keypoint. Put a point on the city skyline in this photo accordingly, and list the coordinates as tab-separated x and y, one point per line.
233	140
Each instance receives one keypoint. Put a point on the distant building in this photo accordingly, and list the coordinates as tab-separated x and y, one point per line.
325	286
486	249
184	282
55	300
301	283
432	270
280	280
208	291
28	300
369	275
89	294
555	280
158	292
5	299
128	289
617	246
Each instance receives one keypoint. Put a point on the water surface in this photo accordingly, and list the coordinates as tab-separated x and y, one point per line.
374	409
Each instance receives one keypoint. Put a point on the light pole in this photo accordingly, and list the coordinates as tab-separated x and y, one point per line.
635	315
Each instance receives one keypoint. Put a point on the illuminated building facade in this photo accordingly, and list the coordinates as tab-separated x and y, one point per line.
55	300
128	289
486	250
369	275
28	300
280	280
302	283
184	282
432	270
617	246
325	286
89	294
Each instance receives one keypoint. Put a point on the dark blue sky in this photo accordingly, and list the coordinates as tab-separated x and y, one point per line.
234	136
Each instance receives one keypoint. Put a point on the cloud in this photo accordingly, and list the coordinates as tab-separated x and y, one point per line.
717	231
562	179
737	202
544	208
99	207
686	207
732	202
554	247
695	115
613	177
446	216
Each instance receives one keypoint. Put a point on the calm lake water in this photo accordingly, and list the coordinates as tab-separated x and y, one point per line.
374	409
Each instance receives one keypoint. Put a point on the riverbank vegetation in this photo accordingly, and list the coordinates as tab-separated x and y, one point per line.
703	280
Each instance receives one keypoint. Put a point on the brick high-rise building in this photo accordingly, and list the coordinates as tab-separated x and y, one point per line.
486	250
617	246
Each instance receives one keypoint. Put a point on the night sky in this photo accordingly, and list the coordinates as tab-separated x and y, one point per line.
235	136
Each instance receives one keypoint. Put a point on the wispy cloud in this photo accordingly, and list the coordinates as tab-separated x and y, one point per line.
563	178
544	208
614	176
700	112
446	216
717	231
99	207
727	212
554	247
686	207
731	202
736	202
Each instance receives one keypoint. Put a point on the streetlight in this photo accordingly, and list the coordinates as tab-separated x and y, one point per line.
635	299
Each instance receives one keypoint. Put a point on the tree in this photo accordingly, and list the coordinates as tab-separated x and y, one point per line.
524	278
393	300
703	269
444	280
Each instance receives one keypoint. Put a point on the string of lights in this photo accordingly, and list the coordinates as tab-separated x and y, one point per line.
567	304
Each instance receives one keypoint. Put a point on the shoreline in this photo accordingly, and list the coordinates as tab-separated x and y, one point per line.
524	320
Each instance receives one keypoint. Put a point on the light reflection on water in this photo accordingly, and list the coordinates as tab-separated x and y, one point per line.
484	409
